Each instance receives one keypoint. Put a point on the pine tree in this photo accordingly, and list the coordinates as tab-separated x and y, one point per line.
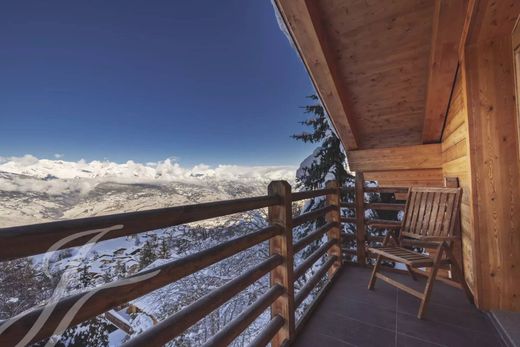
328	162
164	250
94	332
329	156
120	269
21	287
85	278
147	255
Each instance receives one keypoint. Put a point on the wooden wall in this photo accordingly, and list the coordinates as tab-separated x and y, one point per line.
455	163
419	165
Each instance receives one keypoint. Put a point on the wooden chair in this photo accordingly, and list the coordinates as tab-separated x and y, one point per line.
429	221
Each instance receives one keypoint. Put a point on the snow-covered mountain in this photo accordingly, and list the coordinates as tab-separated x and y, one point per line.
36	190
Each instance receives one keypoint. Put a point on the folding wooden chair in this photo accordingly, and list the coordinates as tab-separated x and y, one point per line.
429	221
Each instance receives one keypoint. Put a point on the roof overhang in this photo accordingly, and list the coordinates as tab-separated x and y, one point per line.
383	70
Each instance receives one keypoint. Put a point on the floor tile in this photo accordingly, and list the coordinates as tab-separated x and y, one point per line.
444	334
352	315
463	318
408	341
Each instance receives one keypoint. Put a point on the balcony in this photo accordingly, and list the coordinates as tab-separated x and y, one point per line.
341	311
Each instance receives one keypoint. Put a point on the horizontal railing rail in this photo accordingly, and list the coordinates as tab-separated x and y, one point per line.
175	325
311	259
225	336
312	194
312	215
311	284
22	241
113	294
314	236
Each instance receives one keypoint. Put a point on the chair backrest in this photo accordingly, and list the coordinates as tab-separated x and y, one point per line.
431	211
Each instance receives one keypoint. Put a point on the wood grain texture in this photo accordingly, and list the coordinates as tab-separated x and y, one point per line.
333	217
281	215
404	178
396	158
448	23
456	163
369	61
495	168
303	24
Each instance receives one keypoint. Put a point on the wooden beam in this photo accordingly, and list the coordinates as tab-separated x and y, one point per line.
360	218
406	178
334	233
281	215
448	22
303	22
396	158
492	19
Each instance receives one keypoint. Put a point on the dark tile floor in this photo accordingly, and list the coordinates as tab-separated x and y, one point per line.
351	315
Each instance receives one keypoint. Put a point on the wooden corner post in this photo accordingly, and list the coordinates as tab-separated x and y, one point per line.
284	274
334	233
360	218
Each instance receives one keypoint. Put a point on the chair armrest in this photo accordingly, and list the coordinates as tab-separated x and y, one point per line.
427	241
430	238
439	238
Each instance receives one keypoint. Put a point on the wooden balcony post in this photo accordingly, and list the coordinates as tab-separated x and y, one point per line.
453	182
283	274
360	218
335	232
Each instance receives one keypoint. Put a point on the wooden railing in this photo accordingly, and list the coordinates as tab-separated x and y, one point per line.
22	241
357	199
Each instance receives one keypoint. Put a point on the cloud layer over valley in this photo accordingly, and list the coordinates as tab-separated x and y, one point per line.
36	190
58	176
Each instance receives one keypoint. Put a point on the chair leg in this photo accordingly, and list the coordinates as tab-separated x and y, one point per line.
372	281
429	283
427	291
410	270
459	274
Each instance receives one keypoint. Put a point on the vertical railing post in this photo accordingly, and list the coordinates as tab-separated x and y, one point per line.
334	232
284	274
360	218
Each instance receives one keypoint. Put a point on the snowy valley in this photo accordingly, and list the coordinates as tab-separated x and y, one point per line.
34	190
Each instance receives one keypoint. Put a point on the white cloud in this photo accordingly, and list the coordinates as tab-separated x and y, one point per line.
56	176
58	155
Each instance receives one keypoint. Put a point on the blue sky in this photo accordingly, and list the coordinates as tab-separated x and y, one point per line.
203	81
